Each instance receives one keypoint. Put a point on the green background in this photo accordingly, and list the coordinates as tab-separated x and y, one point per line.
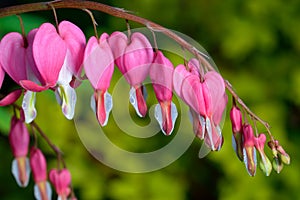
256	46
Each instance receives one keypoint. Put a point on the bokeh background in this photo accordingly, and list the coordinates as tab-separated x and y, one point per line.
256	46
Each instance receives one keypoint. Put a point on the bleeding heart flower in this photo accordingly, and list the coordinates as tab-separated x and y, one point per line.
161	74
42	189
206	97
19	143
17	61
99	67
61	180
133	56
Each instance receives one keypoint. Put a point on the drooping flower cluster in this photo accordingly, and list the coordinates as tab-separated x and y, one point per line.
53	58
245	144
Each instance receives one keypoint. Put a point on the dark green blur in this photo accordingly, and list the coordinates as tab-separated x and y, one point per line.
256	46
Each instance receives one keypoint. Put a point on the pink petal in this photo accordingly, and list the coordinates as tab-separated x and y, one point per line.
19	137
220	108
10	98
32	86
180	73
49	52
192	93
133	56
194	66
99	62
61	180
216	89
12	55
75	40
38	165
2	74
161	74
137	99
118	42
137	58
32	72
103	105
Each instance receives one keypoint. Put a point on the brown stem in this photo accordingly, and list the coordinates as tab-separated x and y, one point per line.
57	151
120	13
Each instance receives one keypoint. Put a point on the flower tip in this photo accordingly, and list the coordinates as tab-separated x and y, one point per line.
21	170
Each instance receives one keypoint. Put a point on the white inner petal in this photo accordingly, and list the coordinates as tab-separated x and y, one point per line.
108	103
37	193
133	101
68	96
28	105
93	103
15	172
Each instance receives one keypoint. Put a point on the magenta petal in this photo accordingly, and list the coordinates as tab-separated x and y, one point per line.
133	56
10	98
38	165
2	74
49	52
180	73
118	42
61	180
12	55
99	62
219	110
216	89
161	74
192	93
75	40
19	138
32	86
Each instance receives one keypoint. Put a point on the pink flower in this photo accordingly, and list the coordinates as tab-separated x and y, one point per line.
61	180
236	122
207	99
17	61
19	142
42	189
249	149
58	56
161	74
99	67
133	56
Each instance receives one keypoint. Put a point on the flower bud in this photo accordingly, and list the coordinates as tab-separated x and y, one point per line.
19	142
236	122
42	189
277	164
264	164
249	150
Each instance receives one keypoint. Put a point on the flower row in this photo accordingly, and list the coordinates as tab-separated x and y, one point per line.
22	166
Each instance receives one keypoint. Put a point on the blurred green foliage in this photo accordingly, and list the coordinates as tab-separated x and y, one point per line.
256	46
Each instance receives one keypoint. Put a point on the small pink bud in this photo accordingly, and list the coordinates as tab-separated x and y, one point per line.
38	165
249	149
61	180
236	119
42	189
265	164
19	137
